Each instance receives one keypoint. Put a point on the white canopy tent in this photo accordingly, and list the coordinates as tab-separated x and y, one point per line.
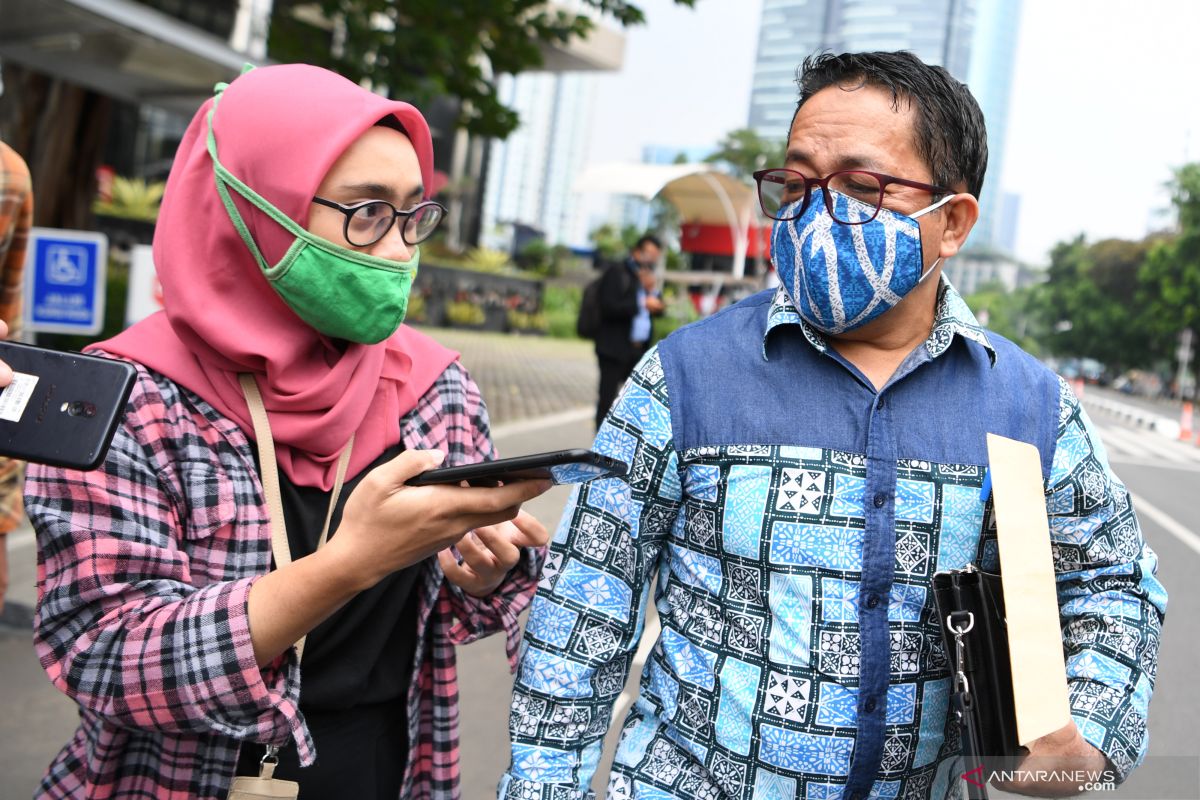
700	193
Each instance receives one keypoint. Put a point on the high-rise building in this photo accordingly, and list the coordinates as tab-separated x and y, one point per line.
974	39
938	31
990	78
530	174
789	31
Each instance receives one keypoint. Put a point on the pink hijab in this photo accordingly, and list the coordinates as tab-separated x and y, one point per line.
279	129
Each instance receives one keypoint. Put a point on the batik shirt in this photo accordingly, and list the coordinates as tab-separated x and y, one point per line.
794	517
144	569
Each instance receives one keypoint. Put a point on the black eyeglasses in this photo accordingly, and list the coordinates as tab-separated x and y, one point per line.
780	188
367	223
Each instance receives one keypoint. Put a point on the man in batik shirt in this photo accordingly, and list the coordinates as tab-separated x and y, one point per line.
800	466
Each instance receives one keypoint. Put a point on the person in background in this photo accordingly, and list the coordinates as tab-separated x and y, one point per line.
16	217
628	300
279	397
803	462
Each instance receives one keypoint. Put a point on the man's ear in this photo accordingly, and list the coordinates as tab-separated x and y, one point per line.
960	214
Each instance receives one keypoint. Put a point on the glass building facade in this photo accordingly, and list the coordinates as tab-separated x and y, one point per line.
974	39
531	173
990	77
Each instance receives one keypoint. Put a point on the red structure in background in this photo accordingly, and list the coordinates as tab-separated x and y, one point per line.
713	244
717	240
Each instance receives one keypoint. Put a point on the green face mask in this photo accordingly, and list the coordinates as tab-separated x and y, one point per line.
340	292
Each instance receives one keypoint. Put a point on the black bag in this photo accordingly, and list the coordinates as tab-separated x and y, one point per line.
587	324
970	606
591	315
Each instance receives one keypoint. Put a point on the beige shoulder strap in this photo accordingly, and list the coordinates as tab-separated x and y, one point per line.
270	479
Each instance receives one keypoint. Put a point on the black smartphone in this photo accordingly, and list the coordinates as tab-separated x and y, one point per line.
62	408
563	466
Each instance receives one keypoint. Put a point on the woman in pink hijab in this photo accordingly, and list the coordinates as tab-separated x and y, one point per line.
187	593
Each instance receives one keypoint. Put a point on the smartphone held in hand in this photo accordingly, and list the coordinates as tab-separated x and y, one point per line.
562	466
61	408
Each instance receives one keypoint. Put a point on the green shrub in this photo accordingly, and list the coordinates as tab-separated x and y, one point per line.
679	312
416	309
132	198
524	322
464	314
485	259
560	306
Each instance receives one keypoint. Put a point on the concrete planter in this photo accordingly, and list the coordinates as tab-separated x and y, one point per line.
495	295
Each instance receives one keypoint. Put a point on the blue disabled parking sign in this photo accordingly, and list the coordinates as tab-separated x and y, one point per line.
65	280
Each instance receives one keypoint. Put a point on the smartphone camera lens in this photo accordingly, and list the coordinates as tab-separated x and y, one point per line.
80	408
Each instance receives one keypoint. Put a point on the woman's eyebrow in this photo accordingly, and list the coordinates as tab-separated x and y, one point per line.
381	191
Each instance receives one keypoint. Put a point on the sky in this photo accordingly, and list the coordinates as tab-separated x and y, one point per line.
1105	103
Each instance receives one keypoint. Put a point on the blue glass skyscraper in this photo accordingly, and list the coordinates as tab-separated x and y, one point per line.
974	39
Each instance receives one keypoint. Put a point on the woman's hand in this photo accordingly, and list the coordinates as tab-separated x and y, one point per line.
387	525
488	553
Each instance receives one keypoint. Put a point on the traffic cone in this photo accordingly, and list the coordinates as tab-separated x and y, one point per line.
1185	422
1078	387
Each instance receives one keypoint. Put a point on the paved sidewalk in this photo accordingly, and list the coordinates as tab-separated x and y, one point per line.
522	377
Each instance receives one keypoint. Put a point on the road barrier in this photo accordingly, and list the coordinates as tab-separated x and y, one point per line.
1136	415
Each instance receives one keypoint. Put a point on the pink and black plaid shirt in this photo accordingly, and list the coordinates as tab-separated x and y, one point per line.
144	568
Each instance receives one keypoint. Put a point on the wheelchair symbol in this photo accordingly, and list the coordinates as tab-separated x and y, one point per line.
66	264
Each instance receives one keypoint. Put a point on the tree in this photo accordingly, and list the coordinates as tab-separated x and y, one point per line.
1093	307
424	50
1169	282
58	128
744	151
609	243
1013	315
421	50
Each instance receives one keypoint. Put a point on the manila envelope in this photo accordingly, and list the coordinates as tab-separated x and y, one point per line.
1035	645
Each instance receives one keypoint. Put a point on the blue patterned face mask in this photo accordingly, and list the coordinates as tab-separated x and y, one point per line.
840	277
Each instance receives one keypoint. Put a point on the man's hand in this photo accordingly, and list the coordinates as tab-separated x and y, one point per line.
1066	754
654	305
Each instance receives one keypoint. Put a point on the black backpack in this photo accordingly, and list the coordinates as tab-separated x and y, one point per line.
587	325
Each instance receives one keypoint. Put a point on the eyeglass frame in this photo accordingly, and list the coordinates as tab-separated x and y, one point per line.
350	211
884	182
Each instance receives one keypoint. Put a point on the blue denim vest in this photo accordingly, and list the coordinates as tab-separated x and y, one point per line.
725	392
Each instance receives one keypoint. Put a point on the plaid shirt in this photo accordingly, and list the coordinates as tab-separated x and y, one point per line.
144	568
16	217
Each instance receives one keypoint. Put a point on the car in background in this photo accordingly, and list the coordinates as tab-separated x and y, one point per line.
1139	382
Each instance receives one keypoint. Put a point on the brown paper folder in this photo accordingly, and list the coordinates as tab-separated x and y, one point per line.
1030	600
